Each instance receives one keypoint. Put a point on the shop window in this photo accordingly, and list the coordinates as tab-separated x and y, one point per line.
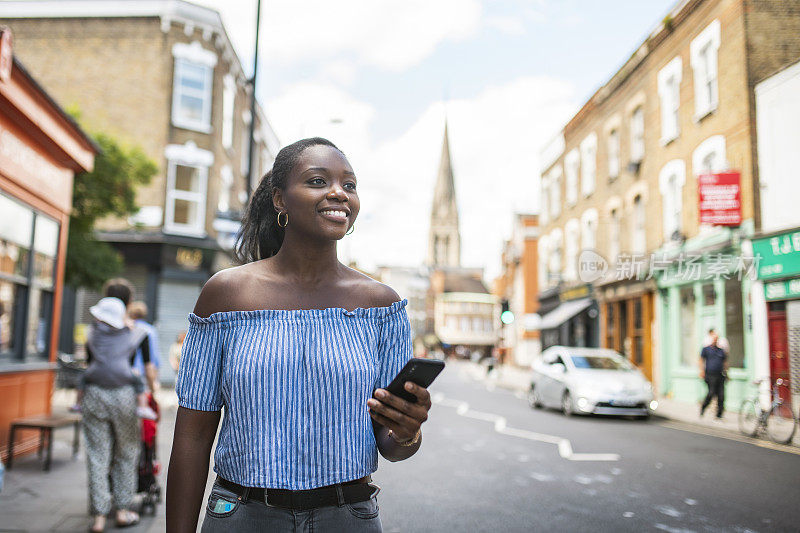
611	326
26	280
690	350
734	323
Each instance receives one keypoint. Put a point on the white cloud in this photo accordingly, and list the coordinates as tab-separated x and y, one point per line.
391	34
495	142
507	25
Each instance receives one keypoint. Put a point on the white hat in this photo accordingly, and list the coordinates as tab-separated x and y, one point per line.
111	311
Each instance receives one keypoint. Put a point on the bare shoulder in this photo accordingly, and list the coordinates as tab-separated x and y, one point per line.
374	292
225	291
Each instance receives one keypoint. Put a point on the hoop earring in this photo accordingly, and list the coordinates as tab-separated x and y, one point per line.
351	230
279	219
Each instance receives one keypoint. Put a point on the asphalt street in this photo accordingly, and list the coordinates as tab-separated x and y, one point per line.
491	463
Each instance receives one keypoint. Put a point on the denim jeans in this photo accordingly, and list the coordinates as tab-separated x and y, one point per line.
226	514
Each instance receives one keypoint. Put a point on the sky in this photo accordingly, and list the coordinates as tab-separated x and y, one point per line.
379	77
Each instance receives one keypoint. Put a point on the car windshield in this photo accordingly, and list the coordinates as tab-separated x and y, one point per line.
599	362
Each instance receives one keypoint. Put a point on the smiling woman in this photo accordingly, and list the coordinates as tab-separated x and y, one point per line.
298	348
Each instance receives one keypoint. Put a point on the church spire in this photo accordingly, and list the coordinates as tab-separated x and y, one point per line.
444	243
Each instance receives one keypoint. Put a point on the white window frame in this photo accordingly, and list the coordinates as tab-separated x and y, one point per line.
713	145
637	134
588	149
544	201
228	110
638	225
615	233
187	155
225	189
704	53
544	261
589	220
554	179
572	162
671	181
572	235
613	153
193	55
555	249
669	92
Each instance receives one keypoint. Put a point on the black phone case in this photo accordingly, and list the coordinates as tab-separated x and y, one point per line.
419	371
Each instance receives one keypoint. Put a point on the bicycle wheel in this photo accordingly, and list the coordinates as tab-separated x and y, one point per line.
748	418
781	424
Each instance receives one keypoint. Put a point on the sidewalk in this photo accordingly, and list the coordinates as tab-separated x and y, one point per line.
33	500
518	379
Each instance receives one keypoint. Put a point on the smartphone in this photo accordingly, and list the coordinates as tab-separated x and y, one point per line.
419	371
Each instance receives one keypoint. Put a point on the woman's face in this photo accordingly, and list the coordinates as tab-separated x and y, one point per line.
320	195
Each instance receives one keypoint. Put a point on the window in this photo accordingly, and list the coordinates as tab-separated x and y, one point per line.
544	201
245	166
703	52
690	348
669	82
556	249
225	189
572	242
709	156
588	164
572	163
187	177
638	243
28	250
734	322
228	109
613	154
614	236
589	229
555	191
544	257
671	180
192	87
637	135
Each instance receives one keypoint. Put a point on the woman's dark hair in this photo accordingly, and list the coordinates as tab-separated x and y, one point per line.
260	236
119	288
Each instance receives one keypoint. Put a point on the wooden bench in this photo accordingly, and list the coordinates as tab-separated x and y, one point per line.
45	424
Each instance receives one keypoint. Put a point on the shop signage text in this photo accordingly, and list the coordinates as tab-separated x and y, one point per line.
782	290
720	198
780	255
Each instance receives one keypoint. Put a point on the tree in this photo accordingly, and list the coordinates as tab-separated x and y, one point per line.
109	189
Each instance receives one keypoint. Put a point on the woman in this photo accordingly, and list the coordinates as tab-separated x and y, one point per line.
108	398
293	344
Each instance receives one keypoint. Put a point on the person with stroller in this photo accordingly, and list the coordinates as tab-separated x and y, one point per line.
298	348
109	390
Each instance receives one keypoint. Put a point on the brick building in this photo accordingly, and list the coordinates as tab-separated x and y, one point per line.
161	75
621	178
518	285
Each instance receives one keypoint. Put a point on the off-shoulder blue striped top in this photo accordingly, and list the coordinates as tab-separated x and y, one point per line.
294	385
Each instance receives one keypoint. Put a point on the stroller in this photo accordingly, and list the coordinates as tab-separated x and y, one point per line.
149	466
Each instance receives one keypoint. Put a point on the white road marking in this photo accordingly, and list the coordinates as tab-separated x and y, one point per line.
501	426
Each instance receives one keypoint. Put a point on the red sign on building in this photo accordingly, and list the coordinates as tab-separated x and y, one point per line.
720	198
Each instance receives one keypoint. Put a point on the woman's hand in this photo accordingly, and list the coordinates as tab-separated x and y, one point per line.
397	415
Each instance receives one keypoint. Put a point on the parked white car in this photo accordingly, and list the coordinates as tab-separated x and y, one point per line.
590	381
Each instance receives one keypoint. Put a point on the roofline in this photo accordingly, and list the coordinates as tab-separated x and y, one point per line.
677	14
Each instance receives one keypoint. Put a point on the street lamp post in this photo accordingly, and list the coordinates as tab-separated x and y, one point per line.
251	147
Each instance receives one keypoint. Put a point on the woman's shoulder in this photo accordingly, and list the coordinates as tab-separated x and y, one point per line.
227	290
374	293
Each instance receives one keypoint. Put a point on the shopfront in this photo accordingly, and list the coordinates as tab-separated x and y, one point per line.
569	317
779	278
41	149
626	321
705	285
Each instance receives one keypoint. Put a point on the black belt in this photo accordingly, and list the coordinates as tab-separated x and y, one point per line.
356	491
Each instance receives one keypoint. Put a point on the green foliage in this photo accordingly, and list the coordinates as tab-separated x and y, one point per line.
110	189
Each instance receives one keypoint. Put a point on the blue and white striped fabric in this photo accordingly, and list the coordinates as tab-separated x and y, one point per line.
295	386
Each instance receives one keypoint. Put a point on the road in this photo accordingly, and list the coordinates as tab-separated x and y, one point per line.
491	463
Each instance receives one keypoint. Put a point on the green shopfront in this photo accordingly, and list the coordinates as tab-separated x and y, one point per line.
702	284
779	308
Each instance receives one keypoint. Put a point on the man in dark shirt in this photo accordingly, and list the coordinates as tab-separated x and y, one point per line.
714	368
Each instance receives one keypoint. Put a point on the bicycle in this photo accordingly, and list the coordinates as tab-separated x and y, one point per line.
777	420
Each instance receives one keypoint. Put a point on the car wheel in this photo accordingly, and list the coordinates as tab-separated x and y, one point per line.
533	398
566	404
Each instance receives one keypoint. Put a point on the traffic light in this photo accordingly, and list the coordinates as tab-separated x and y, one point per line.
506	316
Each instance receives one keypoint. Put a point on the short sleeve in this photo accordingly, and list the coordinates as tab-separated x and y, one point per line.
394	345
199	382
